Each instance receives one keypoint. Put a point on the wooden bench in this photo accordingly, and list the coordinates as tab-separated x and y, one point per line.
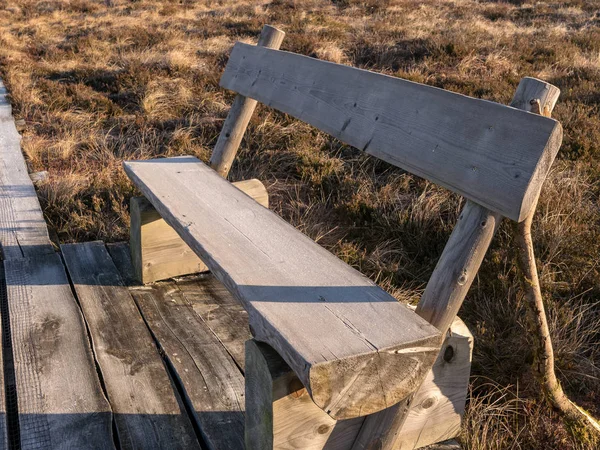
355	349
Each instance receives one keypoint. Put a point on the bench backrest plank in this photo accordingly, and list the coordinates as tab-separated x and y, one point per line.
493	154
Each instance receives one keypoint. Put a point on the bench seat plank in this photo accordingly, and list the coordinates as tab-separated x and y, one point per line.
493	154
148	413
60	400
356	348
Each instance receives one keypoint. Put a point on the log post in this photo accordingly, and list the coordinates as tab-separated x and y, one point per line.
240	113
453	275
157	251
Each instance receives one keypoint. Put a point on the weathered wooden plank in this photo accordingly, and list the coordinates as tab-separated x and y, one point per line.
189	320
221	312
240	113
60	401
280	413
213	384
121	256
434	414
355	348
157	251
23	231
147	411
492	154
464	252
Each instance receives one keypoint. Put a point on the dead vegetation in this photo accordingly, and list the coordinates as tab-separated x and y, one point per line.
97	84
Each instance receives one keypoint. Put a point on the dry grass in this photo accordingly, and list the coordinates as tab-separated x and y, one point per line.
99	84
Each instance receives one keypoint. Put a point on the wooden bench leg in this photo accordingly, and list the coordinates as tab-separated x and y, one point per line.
281	414
436	410
157	251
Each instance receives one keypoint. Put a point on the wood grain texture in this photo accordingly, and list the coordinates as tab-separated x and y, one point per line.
23	231
199	327
144	402
121	256
472	235
436	410
221	312
458	266
157	250
60	401
240	113
492	154
212	383
434	413
355	348
279	412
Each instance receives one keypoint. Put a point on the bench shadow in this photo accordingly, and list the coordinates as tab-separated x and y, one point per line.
107	430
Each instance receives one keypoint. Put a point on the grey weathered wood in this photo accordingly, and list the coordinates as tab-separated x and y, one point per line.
23	231
60	401
456	268
213	384
437	408
221	312
492	154
355	348
435	413
240	113
121	256
280	413
146	407
157	251
192	320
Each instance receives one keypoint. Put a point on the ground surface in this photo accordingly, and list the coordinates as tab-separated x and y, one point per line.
97	84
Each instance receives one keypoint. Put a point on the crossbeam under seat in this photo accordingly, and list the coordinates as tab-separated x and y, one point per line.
354	346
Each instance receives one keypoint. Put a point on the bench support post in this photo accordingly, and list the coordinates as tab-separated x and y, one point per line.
157	251
454	273
240	113
279	411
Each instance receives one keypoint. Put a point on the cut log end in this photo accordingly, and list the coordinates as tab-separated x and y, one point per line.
368	383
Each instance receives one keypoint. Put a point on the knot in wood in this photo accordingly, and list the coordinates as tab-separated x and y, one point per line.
323	429
429	402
